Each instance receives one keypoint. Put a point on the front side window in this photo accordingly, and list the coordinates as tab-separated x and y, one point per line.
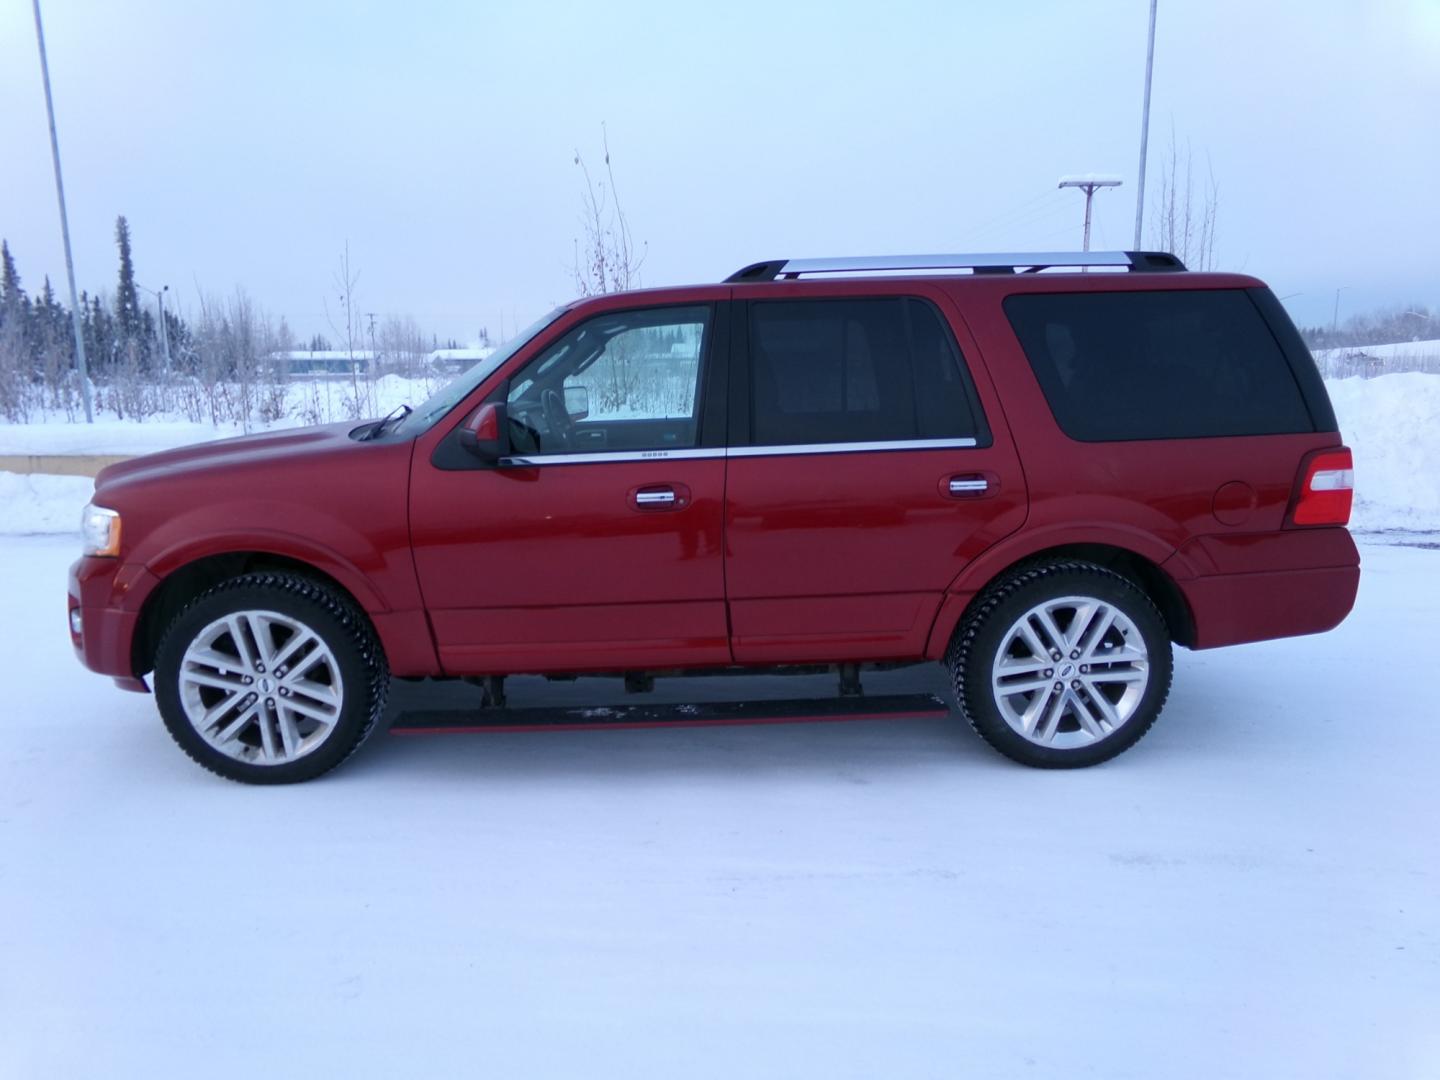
622	381
869	370
441	402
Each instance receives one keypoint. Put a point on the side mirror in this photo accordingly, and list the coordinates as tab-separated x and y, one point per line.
487	433
577	402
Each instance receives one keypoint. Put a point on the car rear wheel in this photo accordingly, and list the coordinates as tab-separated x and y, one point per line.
270	678
1062	664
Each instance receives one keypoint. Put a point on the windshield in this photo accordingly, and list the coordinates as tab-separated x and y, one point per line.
445	399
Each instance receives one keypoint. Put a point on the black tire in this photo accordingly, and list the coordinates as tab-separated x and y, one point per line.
987	624
333	617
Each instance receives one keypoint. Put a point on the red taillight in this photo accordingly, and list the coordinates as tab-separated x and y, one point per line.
1327	487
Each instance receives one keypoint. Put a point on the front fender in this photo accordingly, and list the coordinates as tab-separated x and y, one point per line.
266	542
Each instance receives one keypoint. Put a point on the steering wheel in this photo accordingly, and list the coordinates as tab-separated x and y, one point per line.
558	424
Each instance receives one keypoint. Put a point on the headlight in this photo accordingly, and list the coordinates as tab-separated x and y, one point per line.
100	530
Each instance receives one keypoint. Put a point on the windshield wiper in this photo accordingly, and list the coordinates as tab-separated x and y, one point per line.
394	416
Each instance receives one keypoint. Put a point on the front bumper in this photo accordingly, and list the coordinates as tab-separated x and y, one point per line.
108	595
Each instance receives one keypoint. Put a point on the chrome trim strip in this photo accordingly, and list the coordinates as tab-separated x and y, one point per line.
847	447
958	487
863	263
738	451
616	455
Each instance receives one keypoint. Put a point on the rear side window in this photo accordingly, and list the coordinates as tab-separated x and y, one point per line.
1158	365
870	370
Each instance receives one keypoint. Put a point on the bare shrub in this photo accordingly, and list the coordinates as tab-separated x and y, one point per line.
1186	219
605	259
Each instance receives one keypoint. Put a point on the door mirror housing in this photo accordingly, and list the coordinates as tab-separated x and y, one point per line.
577	402
487	433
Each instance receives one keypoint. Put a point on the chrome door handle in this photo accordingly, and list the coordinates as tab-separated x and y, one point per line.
968	485
664	497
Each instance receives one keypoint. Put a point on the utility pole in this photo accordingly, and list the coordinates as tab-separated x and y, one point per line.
1335	318
1089	183
80	364
1144	129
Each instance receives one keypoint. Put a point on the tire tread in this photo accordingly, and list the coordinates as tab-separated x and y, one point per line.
353	623
962	644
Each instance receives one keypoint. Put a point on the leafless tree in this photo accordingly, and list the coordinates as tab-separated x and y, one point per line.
402	347
1184	223
606	259
345	279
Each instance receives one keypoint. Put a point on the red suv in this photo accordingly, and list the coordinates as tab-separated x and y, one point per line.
1041	479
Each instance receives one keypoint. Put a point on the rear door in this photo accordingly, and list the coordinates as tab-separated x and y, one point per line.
867	465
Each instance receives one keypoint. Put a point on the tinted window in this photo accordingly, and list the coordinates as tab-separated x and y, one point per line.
625	380
826	371
1158	365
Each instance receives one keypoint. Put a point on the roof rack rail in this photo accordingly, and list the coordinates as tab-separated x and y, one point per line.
1009	262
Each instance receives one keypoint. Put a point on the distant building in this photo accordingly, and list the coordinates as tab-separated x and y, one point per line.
332	362
343	363
457	360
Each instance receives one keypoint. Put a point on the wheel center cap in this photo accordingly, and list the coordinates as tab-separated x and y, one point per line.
266	685
1067	670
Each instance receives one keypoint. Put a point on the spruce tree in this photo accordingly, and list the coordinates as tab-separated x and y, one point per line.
53	321
127	301
99	331
11	294
14	307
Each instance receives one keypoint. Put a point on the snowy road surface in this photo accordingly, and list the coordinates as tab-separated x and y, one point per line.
1254	890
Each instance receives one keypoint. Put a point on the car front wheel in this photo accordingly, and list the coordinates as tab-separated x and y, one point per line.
270	678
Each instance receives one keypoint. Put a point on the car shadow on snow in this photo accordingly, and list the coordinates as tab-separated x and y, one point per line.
1206	716
823	746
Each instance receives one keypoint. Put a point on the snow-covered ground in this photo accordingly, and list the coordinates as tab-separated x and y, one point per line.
1251	892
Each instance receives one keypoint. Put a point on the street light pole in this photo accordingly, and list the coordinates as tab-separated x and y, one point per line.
1088	184
80	364
164	331
1145	128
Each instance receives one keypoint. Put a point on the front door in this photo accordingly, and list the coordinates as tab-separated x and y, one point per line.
862	476
596	546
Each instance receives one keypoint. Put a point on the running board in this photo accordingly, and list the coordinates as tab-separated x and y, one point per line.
709	714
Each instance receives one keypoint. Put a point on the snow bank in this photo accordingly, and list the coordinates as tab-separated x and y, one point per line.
1391	353
112	436
305	401
42	504
1392	423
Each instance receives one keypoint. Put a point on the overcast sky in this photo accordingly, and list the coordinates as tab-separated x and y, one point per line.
247	142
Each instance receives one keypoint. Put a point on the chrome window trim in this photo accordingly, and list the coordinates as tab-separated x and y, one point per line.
615	455
796	450
847	447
